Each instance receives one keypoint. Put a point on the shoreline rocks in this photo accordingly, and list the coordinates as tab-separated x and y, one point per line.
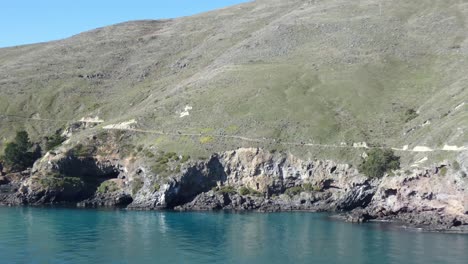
250	180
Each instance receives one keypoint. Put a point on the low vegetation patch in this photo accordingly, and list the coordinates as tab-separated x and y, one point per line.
108	187
81	150
160	169
293	191
249	191
185	158
127	150
52	182
226	190
309	187
156	187
171	156
306	187
443	171
137	185
378	162
206	140
148	154
167	163
54	141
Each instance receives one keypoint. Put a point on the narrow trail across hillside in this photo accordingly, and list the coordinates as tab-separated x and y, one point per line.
417	149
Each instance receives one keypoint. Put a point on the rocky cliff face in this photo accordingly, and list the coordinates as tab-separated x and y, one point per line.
249	179
433	198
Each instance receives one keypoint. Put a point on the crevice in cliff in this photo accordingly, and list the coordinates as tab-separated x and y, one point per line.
196	180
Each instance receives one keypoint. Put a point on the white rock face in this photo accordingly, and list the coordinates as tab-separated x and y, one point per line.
459	106
422	149
422	160
186	111
123	125
360	145
454	148
417	163
428	122
89	119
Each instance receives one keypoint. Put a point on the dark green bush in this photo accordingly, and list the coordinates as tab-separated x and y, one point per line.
410	114
54	141
171	156
18	154
149	154
162	160
378	162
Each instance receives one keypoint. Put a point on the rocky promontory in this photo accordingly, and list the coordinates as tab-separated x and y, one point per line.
100	174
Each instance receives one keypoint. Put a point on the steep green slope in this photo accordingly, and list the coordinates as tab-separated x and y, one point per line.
321	72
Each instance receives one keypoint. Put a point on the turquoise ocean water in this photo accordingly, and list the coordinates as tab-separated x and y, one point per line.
50	235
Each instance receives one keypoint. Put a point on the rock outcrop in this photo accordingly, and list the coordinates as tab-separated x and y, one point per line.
248	179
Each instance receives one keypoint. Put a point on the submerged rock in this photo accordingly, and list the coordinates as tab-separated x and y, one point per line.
107	200
357	216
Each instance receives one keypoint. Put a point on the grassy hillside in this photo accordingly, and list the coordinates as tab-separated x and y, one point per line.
323	71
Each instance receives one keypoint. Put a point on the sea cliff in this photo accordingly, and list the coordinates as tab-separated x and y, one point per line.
98	173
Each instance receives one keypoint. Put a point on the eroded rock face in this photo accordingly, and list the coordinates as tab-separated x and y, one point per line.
424	198
254	179
360	195
62	177
181	188
331	186
274	173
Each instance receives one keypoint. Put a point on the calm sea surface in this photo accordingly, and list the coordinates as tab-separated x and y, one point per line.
36	235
